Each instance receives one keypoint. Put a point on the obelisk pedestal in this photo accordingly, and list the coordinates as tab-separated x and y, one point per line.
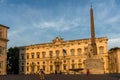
95	66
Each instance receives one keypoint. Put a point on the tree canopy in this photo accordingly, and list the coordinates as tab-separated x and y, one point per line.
13	60
115	48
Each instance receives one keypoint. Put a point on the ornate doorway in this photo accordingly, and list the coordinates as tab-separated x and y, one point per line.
57	65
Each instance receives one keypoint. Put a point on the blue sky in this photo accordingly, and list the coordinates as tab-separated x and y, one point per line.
40	21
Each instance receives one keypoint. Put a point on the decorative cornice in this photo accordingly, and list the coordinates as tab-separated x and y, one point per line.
3	39
4	26
64	42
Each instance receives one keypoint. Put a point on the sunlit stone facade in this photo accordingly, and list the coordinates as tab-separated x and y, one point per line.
3	49
60	56
114	61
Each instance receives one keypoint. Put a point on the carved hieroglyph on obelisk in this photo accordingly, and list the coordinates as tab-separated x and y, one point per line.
93	42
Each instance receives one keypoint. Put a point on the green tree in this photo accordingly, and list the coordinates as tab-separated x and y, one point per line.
113	49
13	60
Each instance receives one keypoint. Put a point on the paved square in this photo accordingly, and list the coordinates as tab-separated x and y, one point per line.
62	77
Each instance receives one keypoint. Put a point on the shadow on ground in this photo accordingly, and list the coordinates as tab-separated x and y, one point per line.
62	77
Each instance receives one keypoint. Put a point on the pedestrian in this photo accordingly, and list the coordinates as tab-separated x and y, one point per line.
42	75
87	72
60	72
55	72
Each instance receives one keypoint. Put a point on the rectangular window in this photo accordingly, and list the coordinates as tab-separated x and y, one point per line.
79	65
1	51
38	55
22	56
32	55
101	49
79	51
72	51
38	68
27	68
51	68
64	52
73	66
73	61
85	50
44	68
27	56
0	65
51	54
0	33
57	53
64	67
43	54
22	68
22	63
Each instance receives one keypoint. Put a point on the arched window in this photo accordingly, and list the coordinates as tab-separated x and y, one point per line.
79	51
101	49
72	52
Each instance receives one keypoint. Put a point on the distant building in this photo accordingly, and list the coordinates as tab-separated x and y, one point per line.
114	60
3	49
60	55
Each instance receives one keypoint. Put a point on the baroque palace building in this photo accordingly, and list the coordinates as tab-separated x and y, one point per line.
64	56
3	49
60	55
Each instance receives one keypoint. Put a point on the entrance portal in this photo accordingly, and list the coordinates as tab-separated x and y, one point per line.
57	65
57	68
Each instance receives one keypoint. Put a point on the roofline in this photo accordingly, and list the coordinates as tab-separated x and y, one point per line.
4	26
87	38
65	41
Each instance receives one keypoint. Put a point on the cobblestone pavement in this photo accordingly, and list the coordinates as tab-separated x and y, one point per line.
62	77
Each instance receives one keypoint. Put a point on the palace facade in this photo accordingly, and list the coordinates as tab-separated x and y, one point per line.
60	56
3	49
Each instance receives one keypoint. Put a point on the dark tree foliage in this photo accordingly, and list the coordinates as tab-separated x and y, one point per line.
113	49
13	60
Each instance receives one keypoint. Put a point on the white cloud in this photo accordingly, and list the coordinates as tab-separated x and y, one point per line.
114	43
115	19
60	25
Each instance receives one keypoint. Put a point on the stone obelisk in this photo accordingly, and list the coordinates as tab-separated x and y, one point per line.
94	64
93	41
